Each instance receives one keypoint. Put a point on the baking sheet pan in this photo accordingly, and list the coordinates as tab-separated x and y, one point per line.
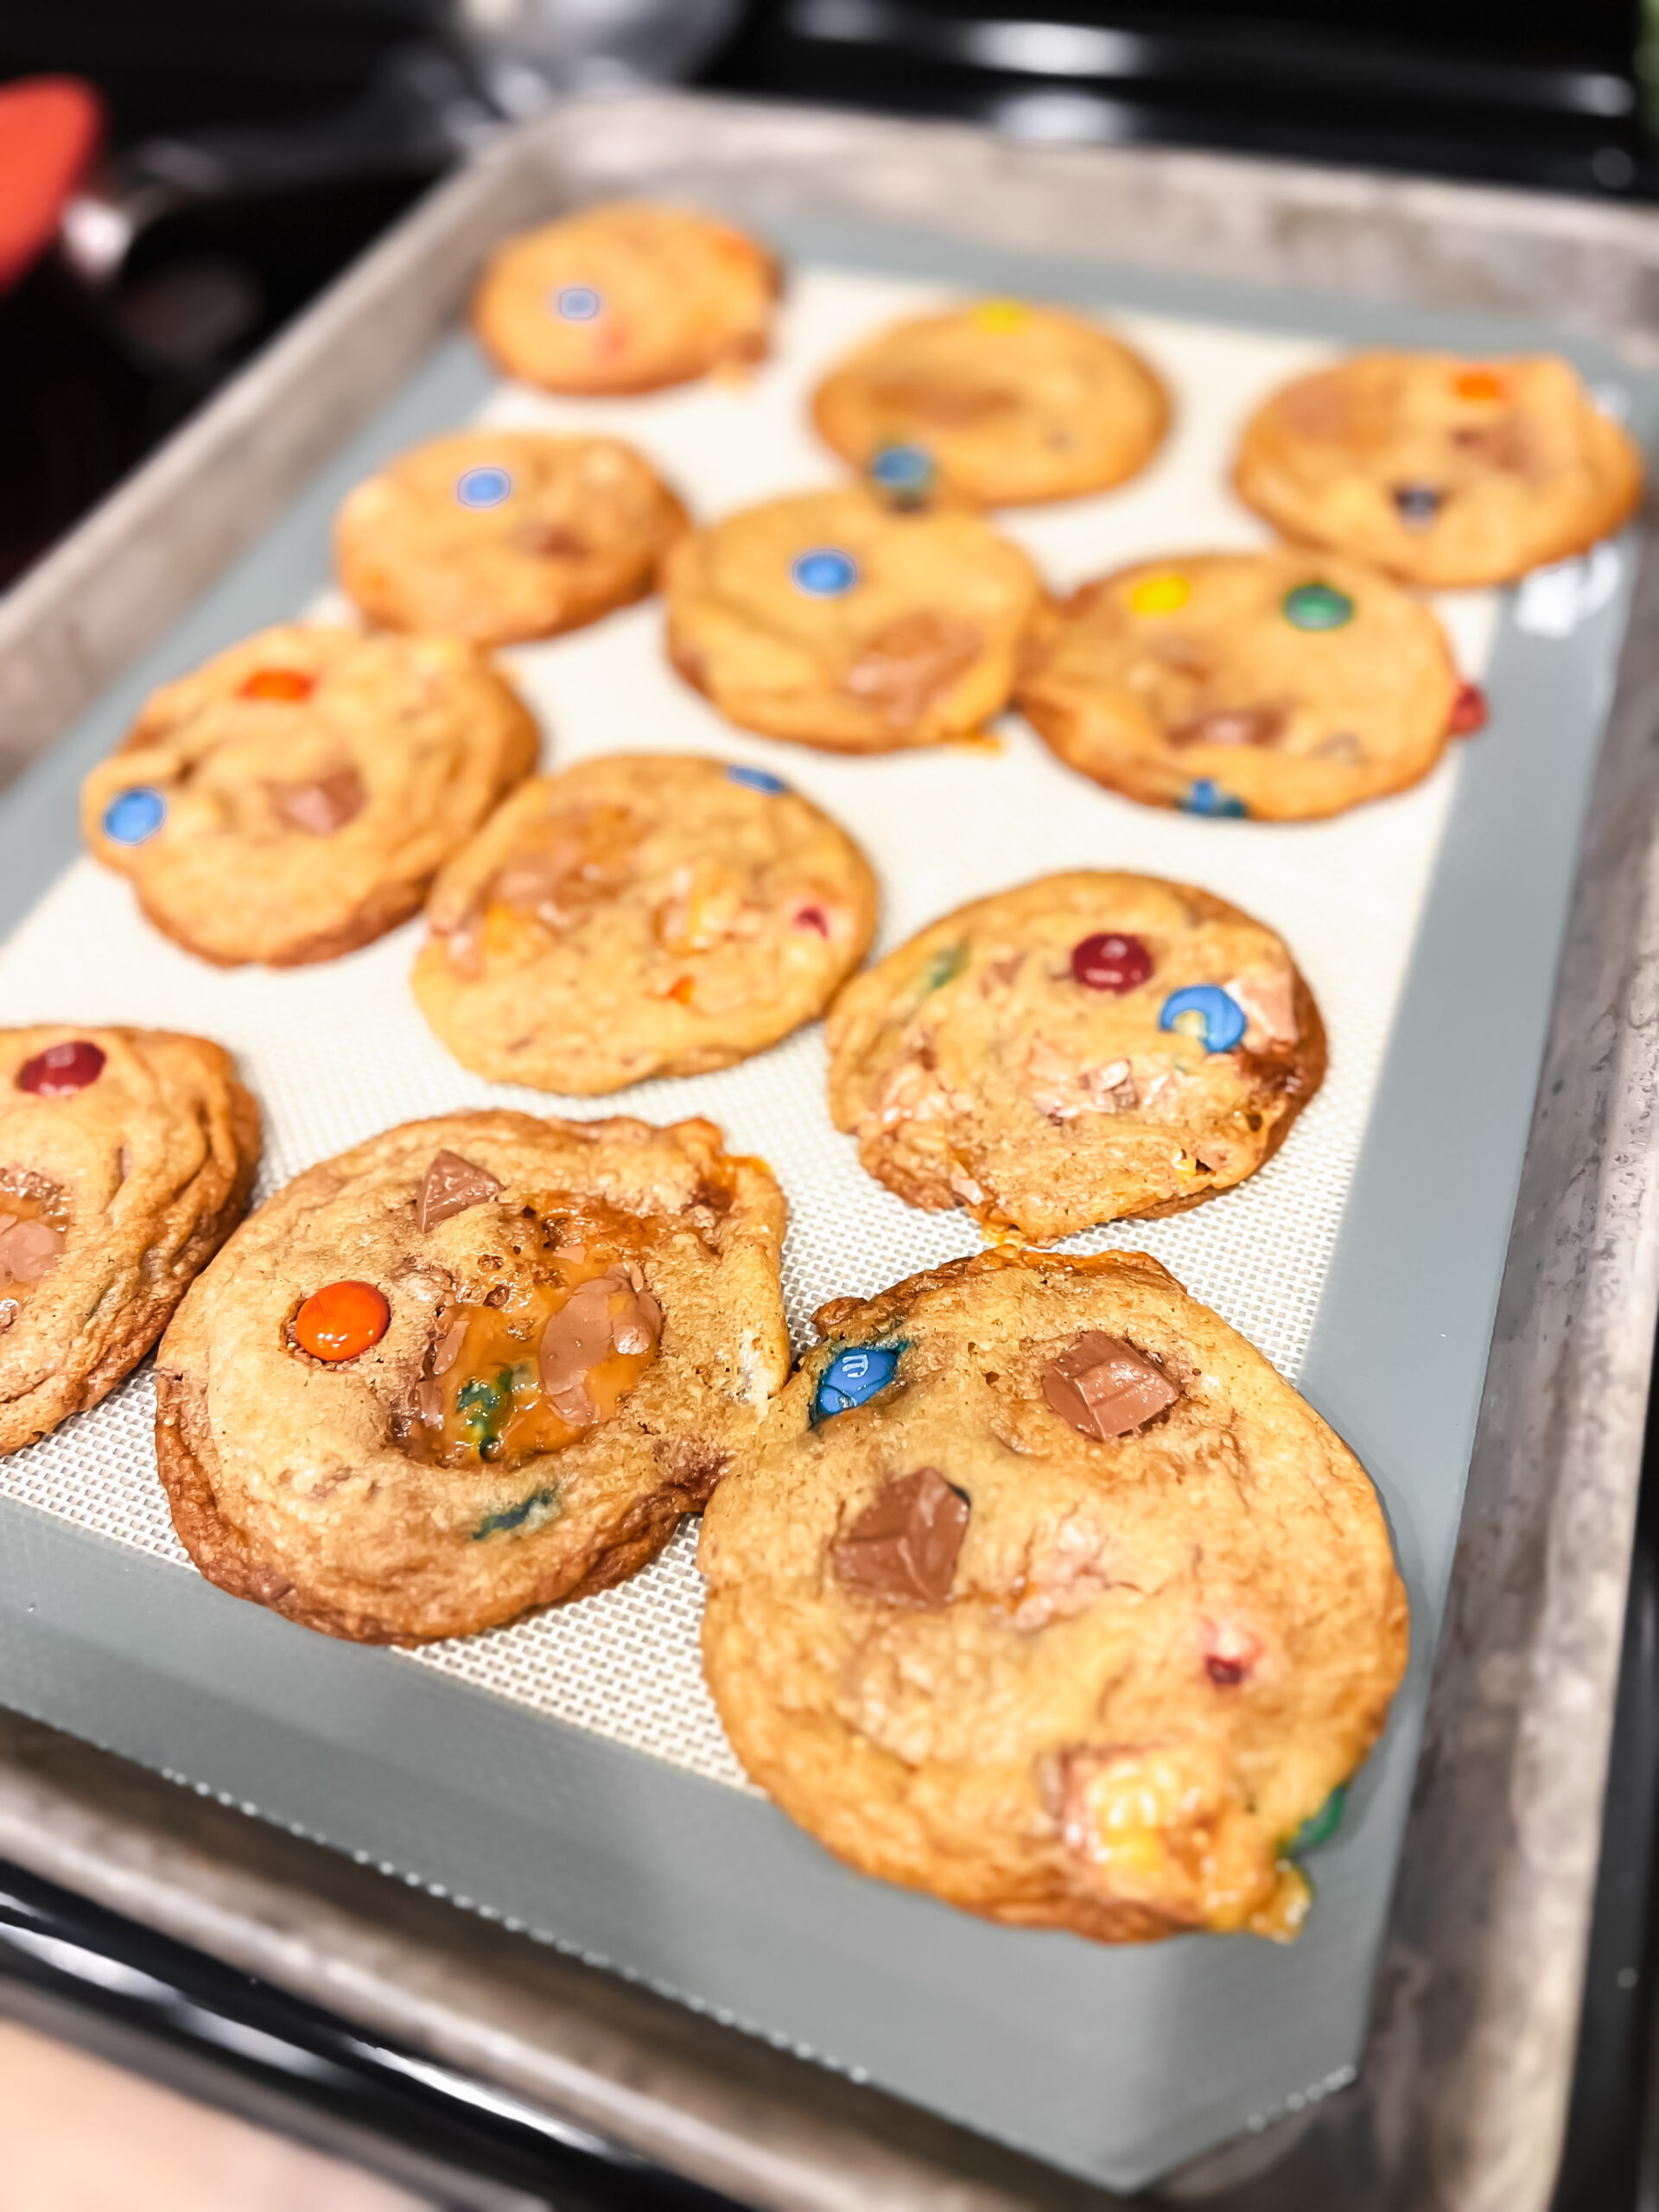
1116	2065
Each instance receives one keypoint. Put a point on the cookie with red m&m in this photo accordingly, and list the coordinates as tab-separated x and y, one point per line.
1282	686
1084	1048
626	297
498	535
1443	470
126	1159
998	403
641	914
1079	1618
839	622
293	797
476	1365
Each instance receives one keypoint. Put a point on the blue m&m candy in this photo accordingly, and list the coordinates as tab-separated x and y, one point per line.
1317	606
906	471
758	779
132	816
1206	1010
853	1377
1205	796
577	303
824	573
483	487
1322	1825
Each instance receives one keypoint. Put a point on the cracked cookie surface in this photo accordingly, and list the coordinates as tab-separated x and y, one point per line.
126	1159
831	619
1082	1048
293	797
1074	1619
477	1364
1282	685
641	914
1443	470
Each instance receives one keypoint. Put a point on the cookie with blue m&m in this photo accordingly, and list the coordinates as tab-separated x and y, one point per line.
1081	1049
293	797
999	404
500	535
641	914
478	1364
1077	1621
838	621
1281	685
626	296
1442	469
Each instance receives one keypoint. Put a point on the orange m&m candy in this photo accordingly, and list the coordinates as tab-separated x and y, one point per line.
340	1320
279	683
1478	383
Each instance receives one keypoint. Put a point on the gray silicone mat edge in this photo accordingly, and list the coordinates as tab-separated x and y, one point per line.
1071	2053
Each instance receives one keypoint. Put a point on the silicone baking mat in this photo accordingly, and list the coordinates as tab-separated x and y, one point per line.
600	1706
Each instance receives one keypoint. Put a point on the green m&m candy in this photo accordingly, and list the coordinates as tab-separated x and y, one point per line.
1317	606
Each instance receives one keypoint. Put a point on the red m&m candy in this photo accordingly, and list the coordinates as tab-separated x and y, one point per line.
279	683
1111	963
340	1320
1468	711
62	1069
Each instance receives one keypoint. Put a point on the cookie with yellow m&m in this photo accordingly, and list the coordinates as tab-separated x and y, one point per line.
641	914
1281	685
997	404
475	1365
1443	469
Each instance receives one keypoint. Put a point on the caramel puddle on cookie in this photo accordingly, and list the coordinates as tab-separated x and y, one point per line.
34	1221
502	1387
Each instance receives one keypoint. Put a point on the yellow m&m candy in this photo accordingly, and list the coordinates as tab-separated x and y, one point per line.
999	315
1162	594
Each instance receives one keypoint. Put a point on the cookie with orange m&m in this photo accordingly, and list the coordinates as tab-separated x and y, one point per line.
476	1365
1442	469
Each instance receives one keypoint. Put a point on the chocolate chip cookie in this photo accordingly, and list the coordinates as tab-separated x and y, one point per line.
625	297
126	1159
477	1364
1282	685
293	797
833	620
998	403
1086	1048
1040	1590
1444	471
499	535
641	914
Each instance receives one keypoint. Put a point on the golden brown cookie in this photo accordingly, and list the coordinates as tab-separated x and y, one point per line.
641	914
477	1364
1083	1048
1444	471
1283	685
1039	1590
294	797
625	298
126	1159
831	619
498	535
997	404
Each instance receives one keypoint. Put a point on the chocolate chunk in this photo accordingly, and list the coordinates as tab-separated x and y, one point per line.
586	1330
429	1402
1104	1388
549	541
449	1186
903	1546
1232	725
1418	503
447	1350
905	665
28	1250
322	804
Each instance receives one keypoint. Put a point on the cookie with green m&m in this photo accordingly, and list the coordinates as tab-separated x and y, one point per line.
1072	1613
478	1364
1279	685
1084	1048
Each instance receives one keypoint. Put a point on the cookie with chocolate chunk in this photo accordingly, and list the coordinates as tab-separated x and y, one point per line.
641	914
1040	1590
626	297
838	622
293	797
998	403
1084	1048
498	535
1282	685
1443	470
477	1364
126	1159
